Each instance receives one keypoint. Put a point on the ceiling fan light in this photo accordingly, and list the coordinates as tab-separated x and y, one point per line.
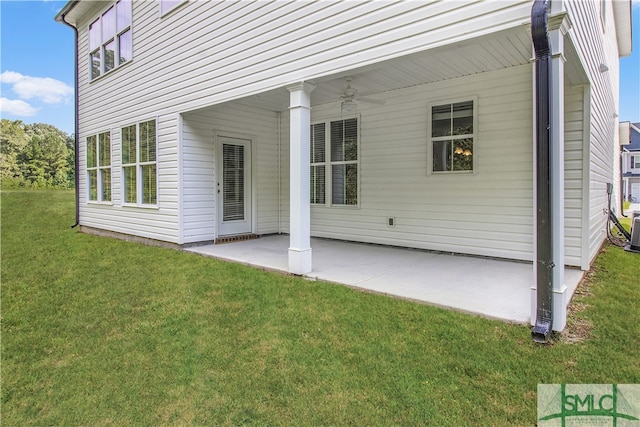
348	109
458	150
467	152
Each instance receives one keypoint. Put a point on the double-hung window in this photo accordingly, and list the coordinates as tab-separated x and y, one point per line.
635	162
139	148
318	163
452	136
334	163
110	41
99	167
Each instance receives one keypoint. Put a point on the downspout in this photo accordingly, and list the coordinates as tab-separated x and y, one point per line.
77	122
544	247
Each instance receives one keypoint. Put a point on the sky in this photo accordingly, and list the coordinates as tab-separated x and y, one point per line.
36	66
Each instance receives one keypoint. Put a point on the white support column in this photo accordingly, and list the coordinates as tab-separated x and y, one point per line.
300	206
558	28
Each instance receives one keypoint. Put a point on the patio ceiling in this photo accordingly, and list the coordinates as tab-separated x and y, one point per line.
504	49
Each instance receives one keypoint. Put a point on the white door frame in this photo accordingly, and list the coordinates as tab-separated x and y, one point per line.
248	225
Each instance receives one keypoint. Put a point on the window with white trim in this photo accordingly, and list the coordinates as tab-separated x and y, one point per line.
334	163
168	5
635	162
452	136
139	160
110	40
99	167
318	163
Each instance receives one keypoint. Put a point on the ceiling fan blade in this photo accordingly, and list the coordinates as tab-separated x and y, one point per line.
371	100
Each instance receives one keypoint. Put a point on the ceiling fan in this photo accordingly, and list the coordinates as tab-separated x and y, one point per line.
350	94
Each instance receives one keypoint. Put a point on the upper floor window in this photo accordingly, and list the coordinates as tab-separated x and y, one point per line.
168	5
452	136
635	162
110	41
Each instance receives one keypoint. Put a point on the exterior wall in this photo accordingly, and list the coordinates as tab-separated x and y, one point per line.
161	222
594	38
487	213
574	174
207	53
244	48
199	166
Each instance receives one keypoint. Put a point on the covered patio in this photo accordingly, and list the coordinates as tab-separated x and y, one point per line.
488	287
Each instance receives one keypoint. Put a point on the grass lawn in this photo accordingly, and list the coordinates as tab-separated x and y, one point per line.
97	331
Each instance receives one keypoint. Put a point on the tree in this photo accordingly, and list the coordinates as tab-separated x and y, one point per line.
36	155
13	139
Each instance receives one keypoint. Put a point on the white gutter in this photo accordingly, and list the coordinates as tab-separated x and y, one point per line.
622	17
66	9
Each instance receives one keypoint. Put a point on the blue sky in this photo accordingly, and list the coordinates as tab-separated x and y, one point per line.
36	65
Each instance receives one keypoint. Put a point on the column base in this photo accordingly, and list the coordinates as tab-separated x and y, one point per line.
299	261
560	304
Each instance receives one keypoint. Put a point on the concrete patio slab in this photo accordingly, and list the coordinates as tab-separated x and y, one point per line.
489	287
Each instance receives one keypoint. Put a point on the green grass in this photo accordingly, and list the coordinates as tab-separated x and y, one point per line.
97	331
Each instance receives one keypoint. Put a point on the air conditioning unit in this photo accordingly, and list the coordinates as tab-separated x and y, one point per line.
634	244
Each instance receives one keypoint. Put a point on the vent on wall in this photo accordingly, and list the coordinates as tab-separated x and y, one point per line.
391	221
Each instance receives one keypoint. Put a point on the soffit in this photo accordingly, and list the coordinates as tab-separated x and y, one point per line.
505	49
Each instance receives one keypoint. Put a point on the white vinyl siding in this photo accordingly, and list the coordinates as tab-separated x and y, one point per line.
489	213
594	48
243	48
574	175
248	47
158	222
199	172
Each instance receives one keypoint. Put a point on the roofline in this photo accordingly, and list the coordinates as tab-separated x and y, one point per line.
622	17
66	9
634	127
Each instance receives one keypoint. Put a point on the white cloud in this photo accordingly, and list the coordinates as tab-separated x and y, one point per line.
16	107
48	90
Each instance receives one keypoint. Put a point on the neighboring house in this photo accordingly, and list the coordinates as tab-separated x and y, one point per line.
200	120
630	161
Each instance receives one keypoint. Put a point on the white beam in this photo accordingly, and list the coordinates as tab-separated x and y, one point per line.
299	167
556	142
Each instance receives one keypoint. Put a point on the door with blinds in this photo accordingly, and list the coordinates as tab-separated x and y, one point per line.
234	186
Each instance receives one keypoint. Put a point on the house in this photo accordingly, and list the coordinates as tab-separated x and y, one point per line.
390	122
630	163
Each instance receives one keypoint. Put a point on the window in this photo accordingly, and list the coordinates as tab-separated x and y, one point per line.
318	163
635	162
339	155
452	137
99	167
168	5
139	163
110	42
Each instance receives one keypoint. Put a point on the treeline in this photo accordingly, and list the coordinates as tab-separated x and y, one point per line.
35	156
